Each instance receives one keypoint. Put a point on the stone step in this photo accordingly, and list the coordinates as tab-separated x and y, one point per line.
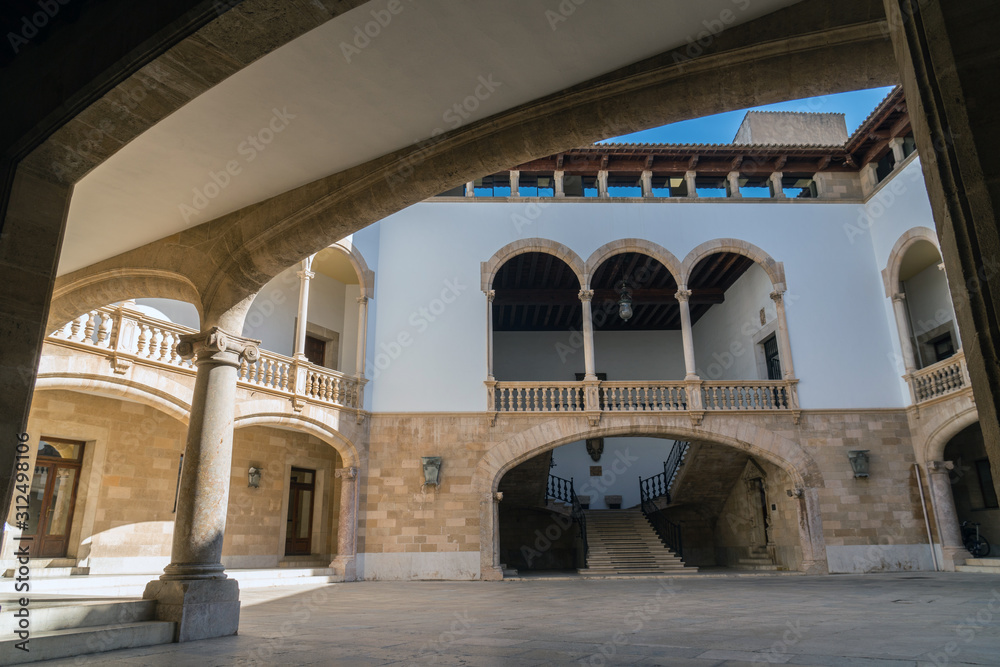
983	562
981	569
133	585
52	644
46	616
50	571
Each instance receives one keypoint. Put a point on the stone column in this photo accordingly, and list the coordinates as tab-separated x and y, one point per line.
646	180
945	516
683	296
690	184
345	563
774	182
515	183
490	295
586	295
193	590
733	185
305	275
811	532
558	184
869	179
362	354
785	346
905	341
896	144
489	536
470	189
602	184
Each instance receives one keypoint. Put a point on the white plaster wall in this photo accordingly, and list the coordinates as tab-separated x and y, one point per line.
723	337
624	460
349	336
429	255
898	206
557	355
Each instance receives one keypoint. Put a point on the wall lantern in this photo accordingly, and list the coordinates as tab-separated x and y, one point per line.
625	302
859	462
253	477
432	469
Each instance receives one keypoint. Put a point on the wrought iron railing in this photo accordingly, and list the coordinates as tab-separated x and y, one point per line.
562	490
659	486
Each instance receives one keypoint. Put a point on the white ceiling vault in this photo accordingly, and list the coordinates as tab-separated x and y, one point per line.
332	99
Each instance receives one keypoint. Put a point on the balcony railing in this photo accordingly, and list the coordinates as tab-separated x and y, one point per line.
128	336
939	379
597	397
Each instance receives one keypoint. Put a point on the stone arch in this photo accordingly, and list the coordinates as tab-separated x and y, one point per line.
642	246
775	270
890	274
738	434
934	445
345	448
117	388
92	291
490	267
366	277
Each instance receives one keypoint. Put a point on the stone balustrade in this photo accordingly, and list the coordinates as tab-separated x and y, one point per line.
624	396
939	379
128	336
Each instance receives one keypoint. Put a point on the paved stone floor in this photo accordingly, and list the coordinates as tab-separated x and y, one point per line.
891	620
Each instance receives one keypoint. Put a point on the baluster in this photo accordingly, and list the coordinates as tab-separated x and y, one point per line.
142	344
285	376
155	340
104	332
88	329
337	389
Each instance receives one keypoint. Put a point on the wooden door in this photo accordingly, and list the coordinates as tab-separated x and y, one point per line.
301	497
53	496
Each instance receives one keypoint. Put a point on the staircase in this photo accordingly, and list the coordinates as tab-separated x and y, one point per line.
624	542
72	628
757	559
981	565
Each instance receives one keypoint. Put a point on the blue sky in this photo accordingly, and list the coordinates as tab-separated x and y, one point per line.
721	128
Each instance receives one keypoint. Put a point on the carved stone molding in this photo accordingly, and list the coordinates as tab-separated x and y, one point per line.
218	345
350	473
586	294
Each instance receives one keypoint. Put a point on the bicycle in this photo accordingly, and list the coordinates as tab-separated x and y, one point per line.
977	545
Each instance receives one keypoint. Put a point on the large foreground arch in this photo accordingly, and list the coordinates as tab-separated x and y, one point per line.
738	434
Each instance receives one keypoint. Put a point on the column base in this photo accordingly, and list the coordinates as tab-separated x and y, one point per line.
345	566
952	556
492	573
201	608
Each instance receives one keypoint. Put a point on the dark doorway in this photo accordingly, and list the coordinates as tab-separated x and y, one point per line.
315	350
52	496
772	359
301	491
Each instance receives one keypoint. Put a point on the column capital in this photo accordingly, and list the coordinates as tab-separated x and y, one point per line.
682	295
305	274
220	346
777	296
899	296
350	473
497	496
490	295
362	300
939	467
586	294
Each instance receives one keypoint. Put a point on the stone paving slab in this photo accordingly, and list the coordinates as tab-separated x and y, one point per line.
888	620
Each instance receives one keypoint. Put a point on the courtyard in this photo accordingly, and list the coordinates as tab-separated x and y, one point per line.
885	620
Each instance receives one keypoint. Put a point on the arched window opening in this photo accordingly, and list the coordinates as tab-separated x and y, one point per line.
735	322
648	345
537	319
927	305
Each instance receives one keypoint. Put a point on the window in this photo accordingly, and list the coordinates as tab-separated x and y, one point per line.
986	483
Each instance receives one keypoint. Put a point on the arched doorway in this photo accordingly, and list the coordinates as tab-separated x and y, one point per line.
971	482
738	504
